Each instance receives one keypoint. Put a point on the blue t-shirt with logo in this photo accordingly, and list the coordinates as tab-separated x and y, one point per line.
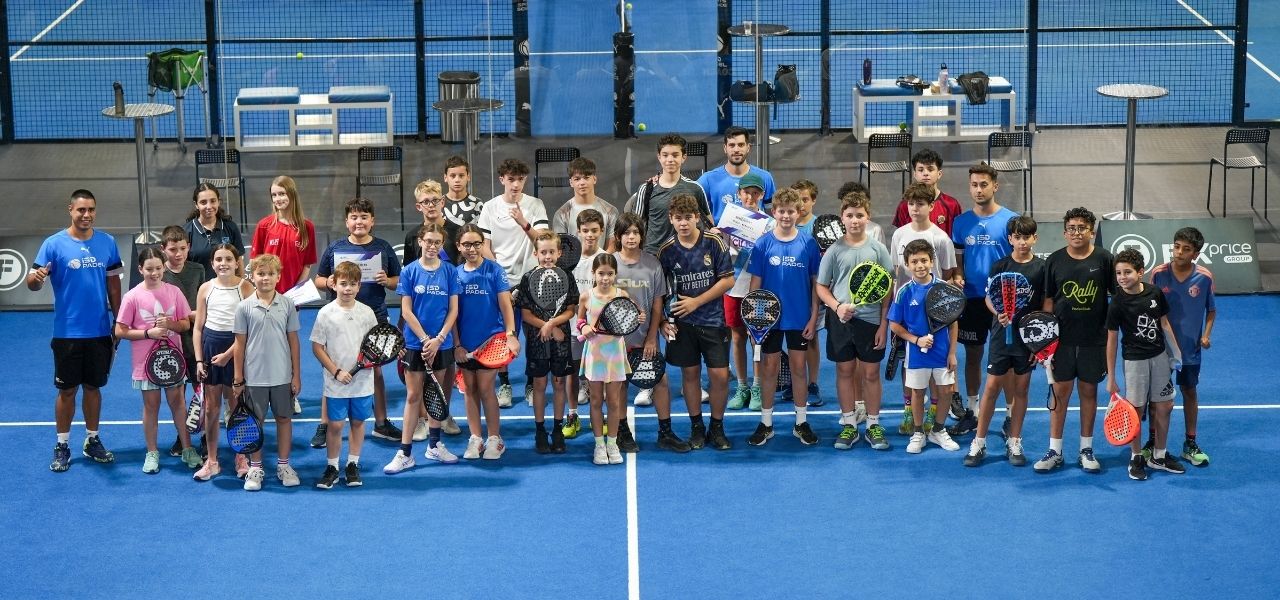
787	269
479	317
722	188
984	241
908	310
694	271
371	293
1189	301
430	291
78	270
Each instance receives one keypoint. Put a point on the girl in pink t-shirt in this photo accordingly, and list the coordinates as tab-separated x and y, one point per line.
153	311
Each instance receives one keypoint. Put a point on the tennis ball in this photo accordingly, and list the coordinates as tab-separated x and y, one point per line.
628	6
641	127
300	56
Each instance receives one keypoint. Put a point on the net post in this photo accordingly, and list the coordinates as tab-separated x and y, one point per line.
824	42
520	52
1239	62
724	65
212	62
420	65
6	79
624	85
1033	58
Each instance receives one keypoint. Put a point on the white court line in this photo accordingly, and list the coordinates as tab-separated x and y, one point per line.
633	522
46	30
1230	41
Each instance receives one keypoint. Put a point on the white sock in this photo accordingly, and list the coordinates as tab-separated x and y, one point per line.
64	438
599	440
1160	453
848	418
973	402
1086	442
1055	444
766	417
90	433
333	462
802	414
353	458
873	420
980	442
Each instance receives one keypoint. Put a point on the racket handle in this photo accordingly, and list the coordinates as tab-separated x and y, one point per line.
757	347
353	372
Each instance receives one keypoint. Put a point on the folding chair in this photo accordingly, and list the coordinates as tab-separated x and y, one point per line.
175	70
543	156
887	140
381	155
1015	139
226	157
697	149
1251	162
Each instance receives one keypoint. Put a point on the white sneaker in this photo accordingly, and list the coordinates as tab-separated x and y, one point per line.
287	476
504	395
706	397
253	479
450	427
859	413
400	462
421	432
644	398
601	456
475	445
441	454
297	406
584	397
493	448
943	439
612	452
528	394
917	443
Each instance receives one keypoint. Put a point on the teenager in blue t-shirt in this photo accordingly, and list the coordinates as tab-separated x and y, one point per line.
721	183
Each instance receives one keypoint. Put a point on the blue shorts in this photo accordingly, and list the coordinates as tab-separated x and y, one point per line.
1188	376
359	408
214	343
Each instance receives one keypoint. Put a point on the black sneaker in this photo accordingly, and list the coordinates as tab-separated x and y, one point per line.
697	435
1138	468
670	441
320	437
387	431
974	459
1004	427
814	399
541	444
1168	464
716	438
957	406
176	448
557	440
329	479
94	449
805	433
203	448
626	440
967	423
353	475
761	435
61	458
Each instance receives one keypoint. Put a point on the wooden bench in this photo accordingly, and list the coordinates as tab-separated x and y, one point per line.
313	119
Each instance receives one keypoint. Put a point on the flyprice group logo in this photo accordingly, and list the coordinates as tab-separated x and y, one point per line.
1231	252
13	269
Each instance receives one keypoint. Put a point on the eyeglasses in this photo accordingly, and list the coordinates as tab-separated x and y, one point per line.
430	202
471	245
430	242
1078	229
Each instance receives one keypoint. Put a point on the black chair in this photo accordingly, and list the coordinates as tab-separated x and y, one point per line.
692	149
542	156
1251	162
887	141
380	155
230	160
1021	140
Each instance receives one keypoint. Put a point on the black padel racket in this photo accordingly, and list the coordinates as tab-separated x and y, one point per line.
869	283
897	349
382	344
784	371
570	252
1039	333
760	311
669	305
646	373
195	410
1009	293
619	317
165	366
433	397
244	430
827	230
943	305
550	291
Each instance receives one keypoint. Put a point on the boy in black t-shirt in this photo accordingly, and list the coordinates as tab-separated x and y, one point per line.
1140	310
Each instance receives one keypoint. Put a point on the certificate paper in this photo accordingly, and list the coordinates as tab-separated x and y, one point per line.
303	293
369	262
744	226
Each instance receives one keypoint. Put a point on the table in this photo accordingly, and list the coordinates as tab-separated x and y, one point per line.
931	115
139	113
464	106
759	31
1133	92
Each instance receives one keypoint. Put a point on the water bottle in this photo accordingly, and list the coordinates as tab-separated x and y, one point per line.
866	71
944	81
119	89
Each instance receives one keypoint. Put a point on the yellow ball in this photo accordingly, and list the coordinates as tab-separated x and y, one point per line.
628	6
641	127
299	56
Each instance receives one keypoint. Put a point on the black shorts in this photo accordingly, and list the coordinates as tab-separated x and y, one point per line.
696	344
558	367
772	343
975	322
214	343
855	340
81	361
1086	363
472	365
413	360
1188	376
999	365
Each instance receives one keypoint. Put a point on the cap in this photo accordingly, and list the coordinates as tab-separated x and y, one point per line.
751	180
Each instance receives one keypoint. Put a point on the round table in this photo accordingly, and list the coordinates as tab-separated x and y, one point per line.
759	31
464	106
139	113
1133	92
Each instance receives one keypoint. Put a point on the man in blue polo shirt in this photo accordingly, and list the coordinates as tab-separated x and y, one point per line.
83	265
721	183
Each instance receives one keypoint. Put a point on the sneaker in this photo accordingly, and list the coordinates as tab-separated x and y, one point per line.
421	431
191	457
151	464
706	397
859	412
741	397
716	437
203	447
668	440
528	394
1050	461
297	406
976	455
352	475
814	399
875	437
1192	453
328	479
757	401
493	448
320	438
208	470
601	456
615	455
1149	449
399	463
584	397
930	416
450	426
242	466
441	454
697	435
626	439
94	449
1004	427
541	443
475	445
287	476
253	479
787	396
61	458
957	406
1088	462
571	426
644	398
1013	452
557	440
847	438
967	423
176	449
761	435
1168	464
805	433
943	439
1138	467
504	395
387	431
908	425
916	444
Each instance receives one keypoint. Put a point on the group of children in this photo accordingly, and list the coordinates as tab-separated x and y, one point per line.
464	279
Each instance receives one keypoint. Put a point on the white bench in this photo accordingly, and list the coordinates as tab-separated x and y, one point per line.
313	118
929	115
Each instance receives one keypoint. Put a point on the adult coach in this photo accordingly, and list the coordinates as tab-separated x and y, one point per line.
83	265
721	183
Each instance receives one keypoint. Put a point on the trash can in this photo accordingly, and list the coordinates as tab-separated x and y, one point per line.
453	85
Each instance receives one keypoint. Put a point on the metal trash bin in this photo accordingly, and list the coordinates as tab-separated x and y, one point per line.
454	85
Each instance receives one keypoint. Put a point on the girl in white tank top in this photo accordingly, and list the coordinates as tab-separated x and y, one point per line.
215	317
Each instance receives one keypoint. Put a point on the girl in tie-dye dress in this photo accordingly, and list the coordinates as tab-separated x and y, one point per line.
604	360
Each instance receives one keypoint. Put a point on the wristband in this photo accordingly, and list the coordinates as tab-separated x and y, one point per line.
581	323
238	383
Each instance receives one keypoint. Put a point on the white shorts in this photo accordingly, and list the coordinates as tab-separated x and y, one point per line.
918	379
1149	380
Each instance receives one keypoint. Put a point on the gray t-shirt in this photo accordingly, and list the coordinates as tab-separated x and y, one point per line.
840	260
654	210
188	280
643	281
267	360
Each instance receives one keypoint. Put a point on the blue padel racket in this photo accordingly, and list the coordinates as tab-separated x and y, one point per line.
760	311
244	430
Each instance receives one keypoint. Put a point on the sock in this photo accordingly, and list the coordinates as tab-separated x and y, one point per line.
919	429
696	420
1086	442
664	425
717	423
1191	437
802	415
90	434
573	412
980	442
742	382
1160	453
611	440
1055	444
937	427
407	449
255	464
333	462
848	418
433	436
599	440
353	458
1133	455
973	402
282	462
541	426
64	438
906	400
766	417
558	423
755	380
504	378
873	420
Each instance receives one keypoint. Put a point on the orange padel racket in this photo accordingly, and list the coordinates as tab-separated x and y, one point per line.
493	353
1121	424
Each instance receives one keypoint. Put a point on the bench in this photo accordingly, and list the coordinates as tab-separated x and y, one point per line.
929	115
313	119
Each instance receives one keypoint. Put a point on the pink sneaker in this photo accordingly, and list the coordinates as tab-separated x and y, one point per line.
242	466
208	470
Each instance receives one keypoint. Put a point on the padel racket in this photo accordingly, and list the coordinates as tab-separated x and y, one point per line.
897	348
493	353
549	291
669	305
646	373
760	311
1122	424
869	283
784	371
165	366
382	344
195	410
433	397
827	230
1038	331
1009	293
619	316
943	305
570	252
244	430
